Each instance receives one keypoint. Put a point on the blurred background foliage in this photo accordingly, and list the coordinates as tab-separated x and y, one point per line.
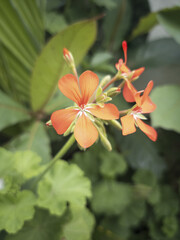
133	191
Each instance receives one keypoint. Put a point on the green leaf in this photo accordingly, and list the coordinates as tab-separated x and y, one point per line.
19	166
15	209
168	17
50	65
170	226
35	139
89	163
6	162
111	198
116	24
58	101
170	21
63	183
167	114
145	177
22	36
141	153
132	215
81	225
154	54
168	204
11	112
113	164
42	227
27	164
144	25
100	58
55	22
106	3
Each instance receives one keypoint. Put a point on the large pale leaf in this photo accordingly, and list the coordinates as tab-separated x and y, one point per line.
170	21
11	112
81	225
15	209
63	183
42	227
57	102
50	65
22	36
35	139
167	114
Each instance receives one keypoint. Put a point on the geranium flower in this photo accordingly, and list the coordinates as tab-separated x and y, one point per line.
143	105
82	113
122	67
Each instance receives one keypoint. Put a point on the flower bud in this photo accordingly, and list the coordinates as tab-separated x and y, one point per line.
113	91
99	92
105	80
49	123
68	57
105	141
115	124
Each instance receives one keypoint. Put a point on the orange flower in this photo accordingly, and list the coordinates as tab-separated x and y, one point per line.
80	92
143	105
122	67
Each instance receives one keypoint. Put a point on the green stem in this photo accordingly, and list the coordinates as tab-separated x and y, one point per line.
59	155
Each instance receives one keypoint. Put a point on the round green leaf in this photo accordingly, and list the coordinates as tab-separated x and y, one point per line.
42	227
15	209
110	197
81	225
64	183
113	164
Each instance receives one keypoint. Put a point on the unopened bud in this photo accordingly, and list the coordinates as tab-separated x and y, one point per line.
68	56
103	98
105	141
115	124
100	98
105	80
49	123
113	91
99	92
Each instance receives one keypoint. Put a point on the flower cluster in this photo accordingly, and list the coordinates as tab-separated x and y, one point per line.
87	118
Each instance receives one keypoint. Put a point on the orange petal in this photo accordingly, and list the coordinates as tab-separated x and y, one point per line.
68	85
148	106
108	112
88	83
62	119
128	93
128	126
85	132
148	130
147	91
138	72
